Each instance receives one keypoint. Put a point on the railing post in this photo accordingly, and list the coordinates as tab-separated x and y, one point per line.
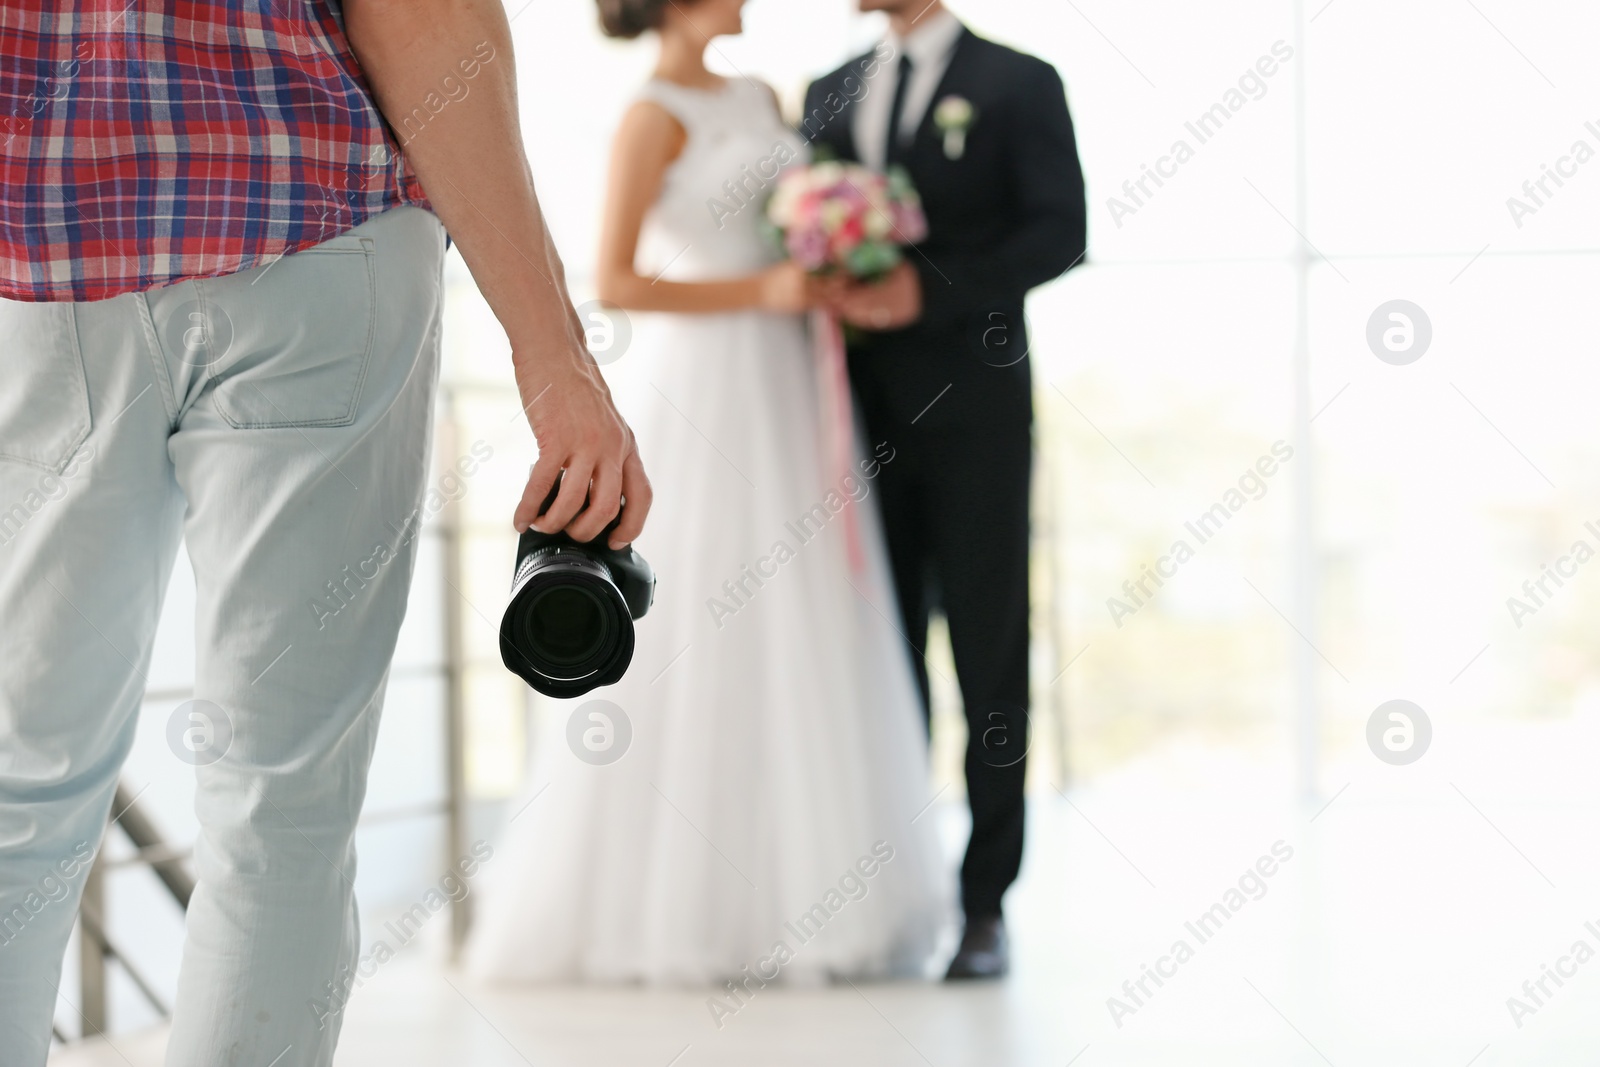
174	874
455	677
91	955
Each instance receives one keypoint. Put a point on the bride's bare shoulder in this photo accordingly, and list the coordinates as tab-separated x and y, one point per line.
650	130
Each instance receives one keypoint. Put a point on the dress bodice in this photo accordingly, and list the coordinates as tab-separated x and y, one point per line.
707	221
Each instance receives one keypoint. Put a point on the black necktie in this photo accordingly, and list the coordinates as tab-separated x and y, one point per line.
892	150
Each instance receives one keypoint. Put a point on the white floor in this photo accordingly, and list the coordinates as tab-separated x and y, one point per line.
1413	905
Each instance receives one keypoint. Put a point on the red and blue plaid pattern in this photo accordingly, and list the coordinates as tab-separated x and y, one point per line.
143	142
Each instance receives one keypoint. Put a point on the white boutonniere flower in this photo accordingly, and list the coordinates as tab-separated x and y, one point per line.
954	117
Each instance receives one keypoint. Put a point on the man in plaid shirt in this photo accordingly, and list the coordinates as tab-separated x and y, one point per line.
220	300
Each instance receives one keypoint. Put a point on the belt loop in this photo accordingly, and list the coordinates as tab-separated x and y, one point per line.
366	242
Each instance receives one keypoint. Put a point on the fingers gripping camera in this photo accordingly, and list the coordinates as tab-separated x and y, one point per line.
569	626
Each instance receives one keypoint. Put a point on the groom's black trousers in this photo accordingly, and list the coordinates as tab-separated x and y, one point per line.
954	501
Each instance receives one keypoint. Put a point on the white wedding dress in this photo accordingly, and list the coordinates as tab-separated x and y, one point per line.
775	740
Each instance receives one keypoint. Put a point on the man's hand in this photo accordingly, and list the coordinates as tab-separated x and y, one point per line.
891	304
471	162
580	433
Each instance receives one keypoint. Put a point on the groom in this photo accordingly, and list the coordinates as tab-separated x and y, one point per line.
940	369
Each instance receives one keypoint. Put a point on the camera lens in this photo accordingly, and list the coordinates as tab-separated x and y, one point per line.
568	628
567	625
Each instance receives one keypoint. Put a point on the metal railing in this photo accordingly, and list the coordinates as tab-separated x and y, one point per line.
95	947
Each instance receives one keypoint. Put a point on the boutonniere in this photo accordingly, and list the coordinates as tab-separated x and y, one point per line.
954	116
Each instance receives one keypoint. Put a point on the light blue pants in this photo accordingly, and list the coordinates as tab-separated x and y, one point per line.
278	420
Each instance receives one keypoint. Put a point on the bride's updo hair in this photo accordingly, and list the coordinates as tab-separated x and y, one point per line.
630	18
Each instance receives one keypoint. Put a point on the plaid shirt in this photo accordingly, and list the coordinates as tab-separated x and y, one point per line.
143	142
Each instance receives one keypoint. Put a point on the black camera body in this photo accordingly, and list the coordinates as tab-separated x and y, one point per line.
569	626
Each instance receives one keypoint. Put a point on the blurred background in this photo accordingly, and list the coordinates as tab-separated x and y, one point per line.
1178	737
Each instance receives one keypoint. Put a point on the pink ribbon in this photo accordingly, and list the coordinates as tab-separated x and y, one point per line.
838	423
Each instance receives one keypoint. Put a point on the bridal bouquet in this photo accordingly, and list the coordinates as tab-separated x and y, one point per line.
841	218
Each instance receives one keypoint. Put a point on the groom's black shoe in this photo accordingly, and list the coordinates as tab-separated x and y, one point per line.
984	951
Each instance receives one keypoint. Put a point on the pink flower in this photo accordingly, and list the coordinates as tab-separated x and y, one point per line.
910	224
841	216
808	247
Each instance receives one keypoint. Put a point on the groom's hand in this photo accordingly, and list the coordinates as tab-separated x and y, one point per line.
891	304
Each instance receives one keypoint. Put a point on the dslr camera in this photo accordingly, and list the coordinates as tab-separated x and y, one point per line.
569	626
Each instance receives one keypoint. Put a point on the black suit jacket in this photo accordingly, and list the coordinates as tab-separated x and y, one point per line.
1007	216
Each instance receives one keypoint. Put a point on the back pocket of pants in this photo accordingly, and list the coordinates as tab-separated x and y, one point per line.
296	336
44	407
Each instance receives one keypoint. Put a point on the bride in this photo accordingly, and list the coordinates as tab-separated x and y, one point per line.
763	820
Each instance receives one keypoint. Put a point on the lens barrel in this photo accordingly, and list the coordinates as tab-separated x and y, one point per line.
569	626
568	629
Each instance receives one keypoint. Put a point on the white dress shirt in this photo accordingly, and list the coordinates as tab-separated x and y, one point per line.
930	45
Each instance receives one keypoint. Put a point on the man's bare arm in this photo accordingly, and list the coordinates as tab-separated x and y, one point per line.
472	165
